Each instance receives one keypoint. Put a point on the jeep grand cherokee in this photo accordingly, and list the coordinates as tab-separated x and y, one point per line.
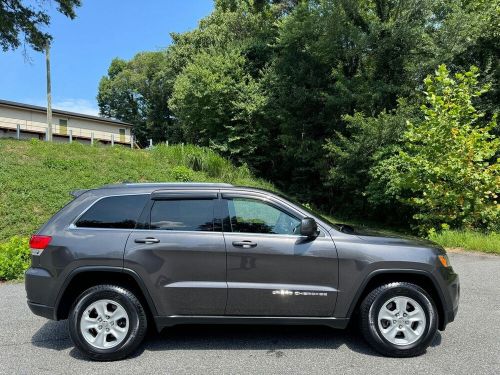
122	257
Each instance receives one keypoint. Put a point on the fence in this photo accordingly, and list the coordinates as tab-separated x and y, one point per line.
64	131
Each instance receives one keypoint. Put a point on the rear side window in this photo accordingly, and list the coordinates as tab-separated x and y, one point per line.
119	212
183	214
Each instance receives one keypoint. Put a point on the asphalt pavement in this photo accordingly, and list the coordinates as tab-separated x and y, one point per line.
471	345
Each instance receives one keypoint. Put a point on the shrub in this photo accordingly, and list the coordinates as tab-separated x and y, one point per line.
14	258
182	173
448	170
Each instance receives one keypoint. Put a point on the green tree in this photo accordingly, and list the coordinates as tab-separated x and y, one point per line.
23	23
448	170
217	102
335	58
137	91
352	156
302	74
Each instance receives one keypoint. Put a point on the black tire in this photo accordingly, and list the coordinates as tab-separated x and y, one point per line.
137	325
375	300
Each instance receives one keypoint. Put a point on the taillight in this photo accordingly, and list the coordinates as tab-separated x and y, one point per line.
39	243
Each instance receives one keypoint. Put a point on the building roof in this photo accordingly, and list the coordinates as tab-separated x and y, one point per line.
30	107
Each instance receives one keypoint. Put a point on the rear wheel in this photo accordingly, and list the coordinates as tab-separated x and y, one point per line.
399	319
107	322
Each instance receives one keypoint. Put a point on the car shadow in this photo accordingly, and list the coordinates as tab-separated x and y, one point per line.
52	335
274	340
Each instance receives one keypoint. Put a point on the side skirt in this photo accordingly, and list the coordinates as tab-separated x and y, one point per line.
169	321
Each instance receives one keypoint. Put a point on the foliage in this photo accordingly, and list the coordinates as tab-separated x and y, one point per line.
367	141
468	240
15	258
275	85
137	92
36	177
23	23
217	103
448	168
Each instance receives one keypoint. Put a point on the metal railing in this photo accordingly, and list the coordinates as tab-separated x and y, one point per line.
64	131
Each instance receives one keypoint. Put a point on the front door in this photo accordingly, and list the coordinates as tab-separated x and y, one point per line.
271	269
180	253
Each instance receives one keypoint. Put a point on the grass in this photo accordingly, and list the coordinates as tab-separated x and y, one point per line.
465	240
36	177
468	240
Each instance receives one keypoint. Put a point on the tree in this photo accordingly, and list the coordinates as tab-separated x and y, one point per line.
217	102
137	91
22	23
449	168
303	75
369	140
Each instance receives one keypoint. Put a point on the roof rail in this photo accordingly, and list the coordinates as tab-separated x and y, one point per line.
168	184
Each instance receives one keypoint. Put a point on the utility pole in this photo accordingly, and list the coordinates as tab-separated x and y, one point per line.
49	94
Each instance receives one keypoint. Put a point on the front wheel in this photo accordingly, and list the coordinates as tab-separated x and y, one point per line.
399	319
107	322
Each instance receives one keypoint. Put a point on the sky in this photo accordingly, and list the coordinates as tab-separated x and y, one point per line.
83	48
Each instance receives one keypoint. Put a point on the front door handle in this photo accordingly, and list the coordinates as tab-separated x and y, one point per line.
147	240
244	244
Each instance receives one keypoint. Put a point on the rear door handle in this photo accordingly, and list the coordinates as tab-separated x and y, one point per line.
244	244
147	240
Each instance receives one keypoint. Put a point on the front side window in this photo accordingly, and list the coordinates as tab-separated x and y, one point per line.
254	216
192	215
120	212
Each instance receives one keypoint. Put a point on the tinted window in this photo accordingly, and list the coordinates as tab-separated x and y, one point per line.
183	214
254	216
114	212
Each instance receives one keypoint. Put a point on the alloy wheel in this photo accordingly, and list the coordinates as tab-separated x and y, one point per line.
401	320
104	324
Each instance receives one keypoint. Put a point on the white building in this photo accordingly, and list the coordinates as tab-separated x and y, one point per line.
29	121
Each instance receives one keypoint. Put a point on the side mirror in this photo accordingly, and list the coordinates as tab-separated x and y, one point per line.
308	227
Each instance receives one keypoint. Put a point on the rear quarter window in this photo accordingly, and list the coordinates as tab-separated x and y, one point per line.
119	212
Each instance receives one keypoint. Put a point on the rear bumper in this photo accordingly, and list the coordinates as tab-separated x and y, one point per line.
39	283
41	310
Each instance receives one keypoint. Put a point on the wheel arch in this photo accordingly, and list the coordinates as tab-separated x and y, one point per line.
85	277
417	277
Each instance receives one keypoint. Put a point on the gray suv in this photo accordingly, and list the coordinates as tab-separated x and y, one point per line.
119	258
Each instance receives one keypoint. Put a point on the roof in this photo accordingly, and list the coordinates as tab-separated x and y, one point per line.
30	107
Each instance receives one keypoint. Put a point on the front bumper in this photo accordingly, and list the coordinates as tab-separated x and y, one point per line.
41	310
452	298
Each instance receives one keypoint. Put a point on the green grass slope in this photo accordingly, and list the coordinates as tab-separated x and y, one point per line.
36	177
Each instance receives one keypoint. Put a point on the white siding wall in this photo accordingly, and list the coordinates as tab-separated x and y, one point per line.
36	122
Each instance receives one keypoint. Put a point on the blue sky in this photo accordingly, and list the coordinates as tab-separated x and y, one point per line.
83	48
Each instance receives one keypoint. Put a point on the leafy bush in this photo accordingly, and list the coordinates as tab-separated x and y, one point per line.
182	173
368	141
14	258
448	169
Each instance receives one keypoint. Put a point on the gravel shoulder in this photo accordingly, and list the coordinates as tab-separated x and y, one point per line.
470	345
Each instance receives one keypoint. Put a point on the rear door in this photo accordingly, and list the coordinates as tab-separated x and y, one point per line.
271	269
179	251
